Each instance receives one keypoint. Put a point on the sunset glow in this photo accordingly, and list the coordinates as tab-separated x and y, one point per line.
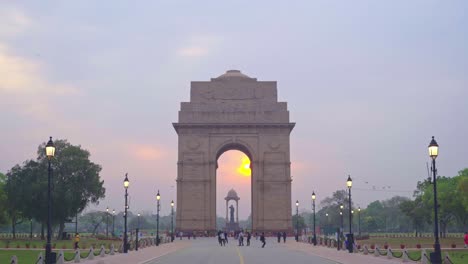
244	168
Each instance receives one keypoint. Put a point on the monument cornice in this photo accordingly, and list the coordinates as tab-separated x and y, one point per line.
178	126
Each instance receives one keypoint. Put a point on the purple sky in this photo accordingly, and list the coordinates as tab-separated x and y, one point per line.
367	82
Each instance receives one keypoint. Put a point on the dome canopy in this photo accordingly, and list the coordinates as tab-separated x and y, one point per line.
232	195
234	74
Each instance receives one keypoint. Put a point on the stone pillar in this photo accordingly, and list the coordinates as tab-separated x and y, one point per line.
227	218
237	211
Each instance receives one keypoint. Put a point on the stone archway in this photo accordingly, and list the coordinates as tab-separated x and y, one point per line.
237	112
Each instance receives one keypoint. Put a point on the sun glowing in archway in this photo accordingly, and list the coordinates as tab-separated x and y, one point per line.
244	168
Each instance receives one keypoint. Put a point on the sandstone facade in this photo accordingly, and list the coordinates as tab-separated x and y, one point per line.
236	112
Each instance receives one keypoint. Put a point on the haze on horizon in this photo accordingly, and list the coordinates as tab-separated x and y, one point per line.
367	83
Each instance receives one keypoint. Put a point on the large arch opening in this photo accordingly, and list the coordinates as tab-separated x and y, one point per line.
233	172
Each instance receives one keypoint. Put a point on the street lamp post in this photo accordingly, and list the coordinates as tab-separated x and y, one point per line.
107	222
113	222
172	221
349	183
314	240
137	232
341	219
359	221
341	228
50	153
297	221
158	197
436	256
126	184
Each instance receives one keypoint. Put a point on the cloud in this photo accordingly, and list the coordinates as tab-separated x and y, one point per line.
192	51
23	76
198	46
24	88
13	22
145	152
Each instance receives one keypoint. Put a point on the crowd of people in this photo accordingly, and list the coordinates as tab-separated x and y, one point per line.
240	236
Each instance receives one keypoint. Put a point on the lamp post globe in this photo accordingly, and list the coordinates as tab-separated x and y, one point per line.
314	239
50	153
436	256
126	185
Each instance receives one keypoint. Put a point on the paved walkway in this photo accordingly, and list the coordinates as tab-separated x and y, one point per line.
207	251
142	255
342	256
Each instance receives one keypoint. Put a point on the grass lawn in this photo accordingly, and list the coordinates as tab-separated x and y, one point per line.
458	256
59	244
425	242
30	255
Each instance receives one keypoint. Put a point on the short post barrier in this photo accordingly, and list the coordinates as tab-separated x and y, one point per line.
405	257
389	253
40	259
91	253
61	258
77	258
102	253
376	251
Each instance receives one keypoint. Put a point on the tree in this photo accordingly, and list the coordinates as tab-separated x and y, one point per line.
416	211
462	189
19	194
298	224
3	200
75	184
95	219
76	180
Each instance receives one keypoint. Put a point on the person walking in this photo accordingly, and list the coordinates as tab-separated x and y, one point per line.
77	240
248	238
220	239
181	235
241	238
226	237
284	237
466	239
279	237
262	239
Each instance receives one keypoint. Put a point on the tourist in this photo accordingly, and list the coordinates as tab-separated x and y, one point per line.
466	239
248	238
77	240
262	239
241	238
226	237
279	237
284	237
220	238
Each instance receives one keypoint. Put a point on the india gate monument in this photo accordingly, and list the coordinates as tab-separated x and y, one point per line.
233	112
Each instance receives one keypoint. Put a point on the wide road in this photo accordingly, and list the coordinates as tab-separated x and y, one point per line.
207	251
